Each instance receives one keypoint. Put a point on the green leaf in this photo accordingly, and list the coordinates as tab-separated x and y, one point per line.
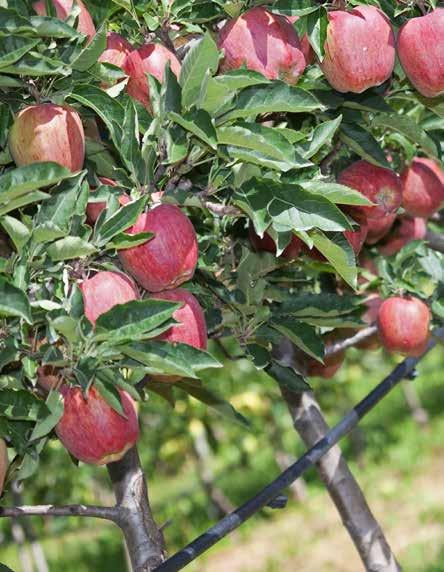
70	247
302	335
14	302
336	193
240	79
289	207
17	231
125	217
108	109
135	320
53	28
22	180
20	405
122	240
202	56
363	143
35	64
408	127
54	403
23	200
322	134
317	23
55	215
266	146
205	395
111	395
12	48
287	378
169	359
89	56
199	123
276	97
339	253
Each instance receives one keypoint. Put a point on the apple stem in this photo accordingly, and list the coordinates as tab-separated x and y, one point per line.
144	539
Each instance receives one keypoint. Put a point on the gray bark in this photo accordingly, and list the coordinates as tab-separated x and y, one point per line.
413	401
344	490
143	537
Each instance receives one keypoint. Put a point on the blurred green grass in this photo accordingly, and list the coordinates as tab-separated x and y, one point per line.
395	451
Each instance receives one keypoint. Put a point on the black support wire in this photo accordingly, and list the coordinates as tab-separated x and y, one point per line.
311	457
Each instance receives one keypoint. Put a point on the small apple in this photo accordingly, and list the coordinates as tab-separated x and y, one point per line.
359	49
266	243
408	229
48	132
92	431
423	187
263	42
403	325
170	258
380	185
420	51
63	8
104	291
93	210
152	59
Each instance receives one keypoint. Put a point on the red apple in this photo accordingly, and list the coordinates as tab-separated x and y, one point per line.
263	42
170	258
409	229
104	291
4	463
93	210
359	49
152	59
92	431
63	8
421	52
192	328
380	185
331	363
117	48
266	243
403	325
48	132
306	48
378	228
423	187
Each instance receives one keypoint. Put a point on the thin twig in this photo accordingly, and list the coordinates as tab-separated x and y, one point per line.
107	513
342	345
222	210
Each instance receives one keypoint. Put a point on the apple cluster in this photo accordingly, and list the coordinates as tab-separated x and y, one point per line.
359	53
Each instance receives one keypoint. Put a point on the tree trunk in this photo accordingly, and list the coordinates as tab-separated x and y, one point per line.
143	537
345	492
